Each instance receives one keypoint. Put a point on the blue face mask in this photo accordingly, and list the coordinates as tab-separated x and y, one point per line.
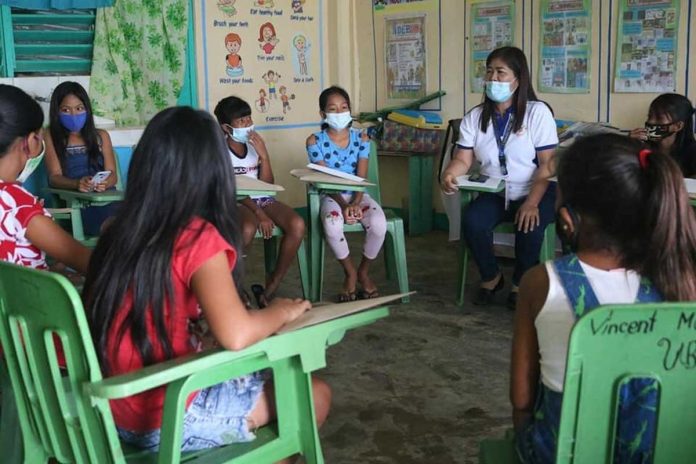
241	134
73	122
499	92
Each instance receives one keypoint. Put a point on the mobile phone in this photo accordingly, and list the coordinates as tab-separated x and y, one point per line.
478	178
100	177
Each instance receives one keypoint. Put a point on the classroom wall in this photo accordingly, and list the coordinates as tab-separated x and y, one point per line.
626	110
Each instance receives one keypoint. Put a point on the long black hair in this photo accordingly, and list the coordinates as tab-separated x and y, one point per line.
324	100
514	59
634	205
20	115
60	134
180	170
678	108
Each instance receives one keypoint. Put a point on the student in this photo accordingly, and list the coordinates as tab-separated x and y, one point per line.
250	157
76	151
339	146
27	231
176	240
513	135
625	214
669	130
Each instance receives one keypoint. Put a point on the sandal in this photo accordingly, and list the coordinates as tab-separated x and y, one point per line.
345	297
260	295
365	295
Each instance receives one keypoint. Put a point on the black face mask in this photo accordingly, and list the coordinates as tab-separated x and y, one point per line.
657	131
569	242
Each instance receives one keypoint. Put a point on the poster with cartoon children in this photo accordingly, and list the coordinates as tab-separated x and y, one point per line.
301	55
296	6
267	38
233	42
227	7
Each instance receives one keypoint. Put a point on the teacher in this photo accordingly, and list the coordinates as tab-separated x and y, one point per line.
513	136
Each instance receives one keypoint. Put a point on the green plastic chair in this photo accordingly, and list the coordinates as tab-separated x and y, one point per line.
394	245
67	417
548	246
608	346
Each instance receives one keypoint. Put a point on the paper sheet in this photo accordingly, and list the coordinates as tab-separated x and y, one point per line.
335	172
328	312
491	184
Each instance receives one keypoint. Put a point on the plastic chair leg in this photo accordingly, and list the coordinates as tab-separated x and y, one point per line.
10	431
303	266
463	263
270	254
389	258
395	229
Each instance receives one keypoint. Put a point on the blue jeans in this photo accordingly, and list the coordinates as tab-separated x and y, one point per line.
485	213
217	416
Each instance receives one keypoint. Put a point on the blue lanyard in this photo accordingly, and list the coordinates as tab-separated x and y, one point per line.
501	141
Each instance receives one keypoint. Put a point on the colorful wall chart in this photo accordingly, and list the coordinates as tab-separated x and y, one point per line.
405	57
267	52
565	46
492	26
647	46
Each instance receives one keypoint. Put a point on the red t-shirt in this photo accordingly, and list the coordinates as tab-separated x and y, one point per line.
17	208
196	244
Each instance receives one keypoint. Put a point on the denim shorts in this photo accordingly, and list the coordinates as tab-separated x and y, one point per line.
217	416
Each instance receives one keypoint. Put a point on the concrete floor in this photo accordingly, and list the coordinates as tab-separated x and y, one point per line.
424	385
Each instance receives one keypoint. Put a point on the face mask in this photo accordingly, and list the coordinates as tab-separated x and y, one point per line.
241	134
338	121
73	122
499	92
569	242
657	131
32	164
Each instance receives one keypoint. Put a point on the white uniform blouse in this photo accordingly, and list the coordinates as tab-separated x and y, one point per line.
538	133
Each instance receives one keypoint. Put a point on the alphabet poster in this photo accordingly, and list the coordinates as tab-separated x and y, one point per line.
269	53
647	46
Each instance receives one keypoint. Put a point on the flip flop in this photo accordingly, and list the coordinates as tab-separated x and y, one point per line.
365	295
259	295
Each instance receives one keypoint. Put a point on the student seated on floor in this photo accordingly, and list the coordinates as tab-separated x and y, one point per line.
76	151
27	231
669	130
339	146
250	158
176	240
625	214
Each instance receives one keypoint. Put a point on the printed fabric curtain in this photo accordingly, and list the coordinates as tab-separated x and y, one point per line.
139	59
56	4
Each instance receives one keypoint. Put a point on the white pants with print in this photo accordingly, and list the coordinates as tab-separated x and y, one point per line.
373	221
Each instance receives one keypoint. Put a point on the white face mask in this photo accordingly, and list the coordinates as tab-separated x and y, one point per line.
338	121
241	134
32	164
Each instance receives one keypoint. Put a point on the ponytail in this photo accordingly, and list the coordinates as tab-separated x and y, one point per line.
669	255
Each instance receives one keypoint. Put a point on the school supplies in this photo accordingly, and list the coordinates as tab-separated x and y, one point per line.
335	172
322	313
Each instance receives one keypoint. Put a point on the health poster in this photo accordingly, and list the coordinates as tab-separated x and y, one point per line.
565	46
405	57
267	52
492	26
647	46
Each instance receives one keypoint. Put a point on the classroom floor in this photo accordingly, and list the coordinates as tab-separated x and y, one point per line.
424	385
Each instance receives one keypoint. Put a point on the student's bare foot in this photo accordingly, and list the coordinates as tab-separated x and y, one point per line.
348	292
369	289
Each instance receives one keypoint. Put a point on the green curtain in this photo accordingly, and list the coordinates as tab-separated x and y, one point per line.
139	59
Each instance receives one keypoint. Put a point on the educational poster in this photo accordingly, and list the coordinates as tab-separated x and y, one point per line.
382	4
647	46
565	46
405	57
492	26
267	52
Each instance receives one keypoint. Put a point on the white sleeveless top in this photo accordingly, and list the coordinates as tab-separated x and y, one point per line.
247	166
556	318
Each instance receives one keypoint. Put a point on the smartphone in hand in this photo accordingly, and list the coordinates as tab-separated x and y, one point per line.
100	177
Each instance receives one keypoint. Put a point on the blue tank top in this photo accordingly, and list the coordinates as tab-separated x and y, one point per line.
76	163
